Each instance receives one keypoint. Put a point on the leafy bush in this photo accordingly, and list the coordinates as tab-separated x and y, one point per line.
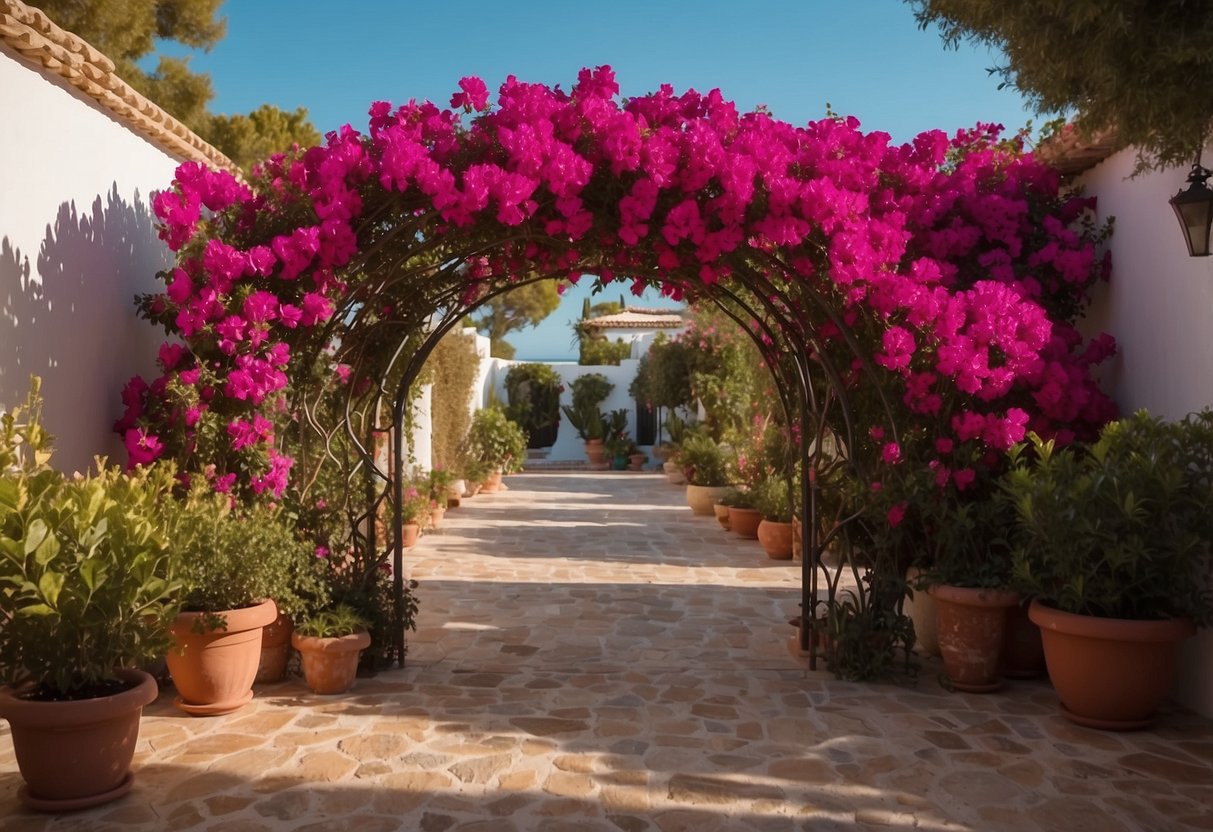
496	440
704	461
230	558
589	391
771	500
341	620
86	581
600	352
534	396
453	365
1122	530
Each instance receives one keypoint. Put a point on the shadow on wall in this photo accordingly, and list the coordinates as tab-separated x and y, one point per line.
71	319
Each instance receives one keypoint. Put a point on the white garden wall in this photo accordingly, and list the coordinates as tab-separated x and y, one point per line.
76	245
1158	305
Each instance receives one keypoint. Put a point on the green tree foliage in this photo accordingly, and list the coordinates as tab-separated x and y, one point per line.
1141	66
128	30
247	139
514	310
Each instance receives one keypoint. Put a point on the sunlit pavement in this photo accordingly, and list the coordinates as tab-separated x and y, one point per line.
590	656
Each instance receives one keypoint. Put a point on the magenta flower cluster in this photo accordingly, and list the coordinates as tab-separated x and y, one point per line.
955	259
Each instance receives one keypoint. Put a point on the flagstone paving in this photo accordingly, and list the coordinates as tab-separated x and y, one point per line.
590	656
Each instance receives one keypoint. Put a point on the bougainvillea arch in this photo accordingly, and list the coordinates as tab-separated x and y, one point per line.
912	301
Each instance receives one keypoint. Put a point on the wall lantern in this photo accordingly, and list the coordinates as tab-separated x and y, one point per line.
1194	208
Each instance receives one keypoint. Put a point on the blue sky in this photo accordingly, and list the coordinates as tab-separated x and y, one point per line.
867	58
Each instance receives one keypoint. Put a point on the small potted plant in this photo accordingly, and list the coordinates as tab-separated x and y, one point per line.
498	442
744	516
416	512
1114	550
475	472
722	506
438	485
706	469
238	566
588	392
86	593
775	531
330	642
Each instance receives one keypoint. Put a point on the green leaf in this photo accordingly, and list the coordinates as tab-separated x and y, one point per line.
34	535
35	610
92	573
50	584
47	551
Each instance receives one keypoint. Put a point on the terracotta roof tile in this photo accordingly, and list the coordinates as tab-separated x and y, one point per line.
1072	153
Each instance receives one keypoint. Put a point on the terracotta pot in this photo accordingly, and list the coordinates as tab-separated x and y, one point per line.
701	498
436	515
673	473
275	649
454	495
412	533
920	607
1023	652
971	624
722	515
1109	673
77	754
595	453
776	539
213	670
636	462
492	484
744	521
330	664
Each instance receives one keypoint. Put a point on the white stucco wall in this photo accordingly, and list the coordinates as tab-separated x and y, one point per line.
1158	305
76	245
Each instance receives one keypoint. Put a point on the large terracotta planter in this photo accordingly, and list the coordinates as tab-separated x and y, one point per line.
1109	673
77	754
722	515
213	670
920	607
701	498
412	533
1023	651
492	484
330	664
595	452
744	521
275	649
776	539
971	626
673	473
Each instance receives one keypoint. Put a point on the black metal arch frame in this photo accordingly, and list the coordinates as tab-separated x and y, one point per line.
390	349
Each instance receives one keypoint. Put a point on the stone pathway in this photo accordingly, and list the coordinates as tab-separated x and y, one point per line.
590	656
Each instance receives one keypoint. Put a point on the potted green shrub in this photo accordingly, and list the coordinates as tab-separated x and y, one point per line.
588	392
1114	549
707	471
744	516
775	530
498	442
330	642
238	566
86	592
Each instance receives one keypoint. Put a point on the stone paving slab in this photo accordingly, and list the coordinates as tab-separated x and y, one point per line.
590	656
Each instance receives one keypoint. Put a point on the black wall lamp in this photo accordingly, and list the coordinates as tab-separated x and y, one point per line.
1194	208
